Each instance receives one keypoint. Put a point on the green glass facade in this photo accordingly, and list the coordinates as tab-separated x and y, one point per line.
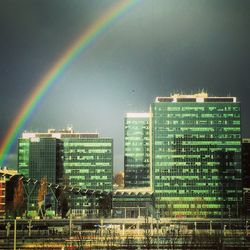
196	156
88	163
136	150
38	158
42	159
23	156
74	159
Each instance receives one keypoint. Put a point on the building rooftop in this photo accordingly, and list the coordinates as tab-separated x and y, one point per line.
58	134
245	140
198	97
141	190
7	172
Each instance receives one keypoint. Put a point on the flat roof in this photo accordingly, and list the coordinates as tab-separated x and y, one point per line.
137	115
198	97
58	135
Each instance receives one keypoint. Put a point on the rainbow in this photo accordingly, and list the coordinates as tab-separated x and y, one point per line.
84	41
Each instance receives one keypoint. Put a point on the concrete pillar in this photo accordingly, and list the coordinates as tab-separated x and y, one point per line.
151	228
101	227
138	228
14	235
70	225
123	229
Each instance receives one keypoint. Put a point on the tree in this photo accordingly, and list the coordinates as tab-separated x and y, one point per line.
63	204
18	198
119	179
147	233
105	205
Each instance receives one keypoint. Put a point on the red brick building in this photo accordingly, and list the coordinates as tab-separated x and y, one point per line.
2	196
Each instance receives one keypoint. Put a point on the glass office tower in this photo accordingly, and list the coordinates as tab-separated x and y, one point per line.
88	163
76	159
136	150
38	158
196	155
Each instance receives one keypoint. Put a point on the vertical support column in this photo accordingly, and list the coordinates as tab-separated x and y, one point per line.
210	227
56	200
28	193
229	215
70	225
101	227
14	235
123	229
151	228
157	226
29	227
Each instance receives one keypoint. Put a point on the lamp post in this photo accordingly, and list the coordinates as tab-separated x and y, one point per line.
29	227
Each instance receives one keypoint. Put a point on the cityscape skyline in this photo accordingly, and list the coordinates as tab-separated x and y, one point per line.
186	150
151	51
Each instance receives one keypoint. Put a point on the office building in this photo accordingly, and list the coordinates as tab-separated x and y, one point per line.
246	174
88	163
39	157
246	162
7	185
75	159
2	196
196	155
133	203
136	150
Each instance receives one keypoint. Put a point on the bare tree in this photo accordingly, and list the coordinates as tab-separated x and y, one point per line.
147	233
63	204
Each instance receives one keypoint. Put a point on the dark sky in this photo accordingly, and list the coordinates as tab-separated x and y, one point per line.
158	48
